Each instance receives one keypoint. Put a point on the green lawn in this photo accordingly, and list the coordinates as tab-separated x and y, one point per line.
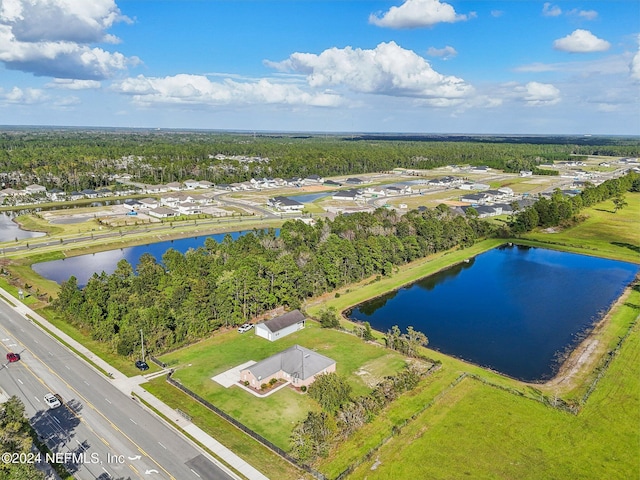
603	233
358	361
476	431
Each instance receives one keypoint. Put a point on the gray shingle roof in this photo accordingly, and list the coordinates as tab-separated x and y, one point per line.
284	321
297	361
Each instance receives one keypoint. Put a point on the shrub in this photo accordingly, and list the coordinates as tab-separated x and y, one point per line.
303	388
264	386
246	383
273	381
329	318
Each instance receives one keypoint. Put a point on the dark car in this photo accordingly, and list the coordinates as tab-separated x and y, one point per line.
13	357
142	365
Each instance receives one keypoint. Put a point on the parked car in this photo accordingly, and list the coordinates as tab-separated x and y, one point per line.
245	327
51	400
142	365
13	357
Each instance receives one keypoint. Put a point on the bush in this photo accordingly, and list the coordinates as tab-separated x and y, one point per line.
329	318
246	383
273	381
303	388
264	386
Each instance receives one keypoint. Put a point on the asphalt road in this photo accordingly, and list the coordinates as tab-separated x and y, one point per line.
104	433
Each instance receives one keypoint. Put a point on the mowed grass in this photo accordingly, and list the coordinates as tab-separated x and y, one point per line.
603	233
477	431
355	359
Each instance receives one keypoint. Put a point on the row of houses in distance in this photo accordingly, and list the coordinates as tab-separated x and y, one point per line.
171	205
372	192
484	211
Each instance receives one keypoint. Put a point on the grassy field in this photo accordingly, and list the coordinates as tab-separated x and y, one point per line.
477	431
603	233
196	365
437	431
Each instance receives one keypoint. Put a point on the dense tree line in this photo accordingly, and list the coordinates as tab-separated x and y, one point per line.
72	160
187	296
553	211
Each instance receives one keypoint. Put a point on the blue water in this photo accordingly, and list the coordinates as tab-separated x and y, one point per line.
512	309
310	197
84	266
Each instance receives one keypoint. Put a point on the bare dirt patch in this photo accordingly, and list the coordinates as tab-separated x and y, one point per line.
586	356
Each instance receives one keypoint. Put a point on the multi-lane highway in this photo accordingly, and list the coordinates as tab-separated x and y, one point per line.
99	432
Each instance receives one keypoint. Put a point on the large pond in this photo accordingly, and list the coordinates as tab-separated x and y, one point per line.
10	230
310	197
84	266
513	309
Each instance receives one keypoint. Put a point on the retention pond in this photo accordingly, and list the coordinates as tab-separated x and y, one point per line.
517	310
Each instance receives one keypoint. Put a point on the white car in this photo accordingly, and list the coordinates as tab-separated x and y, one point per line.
51	400
245	327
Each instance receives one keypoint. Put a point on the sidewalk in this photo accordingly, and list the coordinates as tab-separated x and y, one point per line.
129	385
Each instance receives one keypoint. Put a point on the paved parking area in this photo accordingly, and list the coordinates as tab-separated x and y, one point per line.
231	376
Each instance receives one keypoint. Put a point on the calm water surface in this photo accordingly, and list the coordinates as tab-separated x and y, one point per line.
9	230
309	197
512	309
84	266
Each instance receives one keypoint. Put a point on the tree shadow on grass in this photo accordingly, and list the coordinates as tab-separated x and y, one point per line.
635	248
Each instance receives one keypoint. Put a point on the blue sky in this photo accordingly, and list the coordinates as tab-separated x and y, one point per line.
419	66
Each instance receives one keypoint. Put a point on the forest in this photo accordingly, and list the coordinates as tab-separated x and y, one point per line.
75	160
186	297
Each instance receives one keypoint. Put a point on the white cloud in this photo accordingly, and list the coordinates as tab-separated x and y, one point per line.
549	10
71	84
386	70
634	66
446	52
416	14
54	37
23	96
184	89
583	14
60	20
581	41
538	94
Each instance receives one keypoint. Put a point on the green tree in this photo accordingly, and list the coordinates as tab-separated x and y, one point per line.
619	203
15	437
330	390
312	437
329	318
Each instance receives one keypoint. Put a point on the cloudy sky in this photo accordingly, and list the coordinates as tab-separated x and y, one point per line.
424	66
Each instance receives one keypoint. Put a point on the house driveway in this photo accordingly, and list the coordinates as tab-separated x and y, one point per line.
231	376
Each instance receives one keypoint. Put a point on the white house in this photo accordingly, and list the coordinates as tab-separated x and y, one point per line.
285	204
149	202
162	212
35	188
346	195
191	184
189	208
281	326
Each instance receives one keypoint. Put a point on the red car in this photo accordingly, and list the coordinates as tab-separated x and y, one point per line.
13	357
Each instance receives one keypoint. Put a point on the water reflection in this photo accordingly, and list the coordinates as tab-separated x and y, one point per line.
514	310
84	266
10	230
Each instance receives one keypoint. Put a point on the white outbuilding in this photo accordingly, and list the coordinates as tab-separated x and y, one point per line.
281	326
